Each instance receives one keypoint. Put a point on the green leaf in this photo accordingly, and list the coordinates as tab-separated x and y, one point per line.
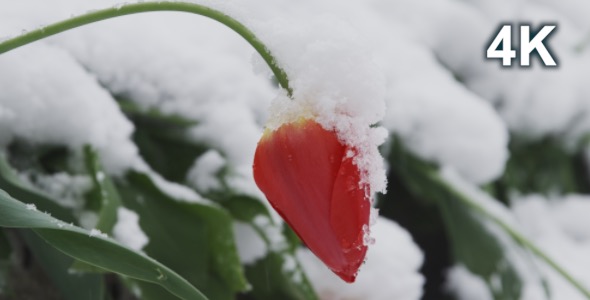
11	183
104	191
104	196
270	280
101	252
150	291
73	286
194	239
245	208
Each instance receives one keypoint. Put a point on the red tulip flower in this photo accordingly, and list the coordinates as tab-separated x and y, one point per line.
309	176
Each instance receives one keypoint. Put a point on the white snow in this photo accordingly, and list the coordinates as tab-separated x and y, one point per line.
97	233
70	109
255	240
272	232
100	176
251	247
462	132
128	231
174	190
560	227
533	103
88	219
572	215
203	175
202	72
187	78
390	272
65	189
466	285
435	116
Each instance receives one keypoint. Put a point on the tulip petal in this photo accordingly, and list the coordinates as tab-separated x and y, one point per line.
303	170
351	208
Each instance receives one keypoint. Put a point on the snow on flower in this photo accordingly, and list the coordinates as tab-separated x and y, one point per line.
318	162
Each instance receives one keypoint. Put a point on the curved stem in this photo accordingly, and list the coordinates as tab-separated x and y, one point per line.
135	8
517	236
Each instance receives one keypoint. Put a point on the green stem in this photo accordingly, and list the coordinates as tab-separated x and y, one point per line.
129	9
517	236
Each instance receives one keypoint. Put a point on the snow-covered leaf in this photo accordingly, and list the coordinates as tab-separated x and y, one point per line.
163	141
11	183
476	241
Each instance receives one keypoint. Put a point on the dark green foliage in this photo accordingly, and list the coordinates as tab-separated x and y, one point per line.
543	166
194	239
163	141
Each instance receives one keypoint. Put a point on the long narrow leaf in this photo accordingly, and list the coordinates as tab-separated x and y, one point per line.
93	249
104	191
106	198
